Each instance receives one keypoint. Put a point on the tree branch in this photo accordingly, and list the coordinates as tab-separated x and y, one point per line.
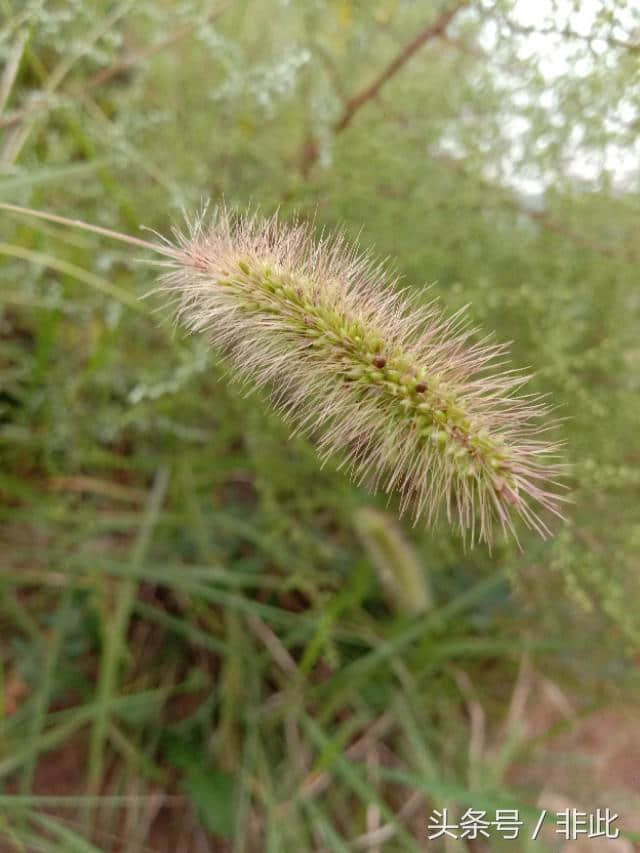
507	199
129	62
437	29
118	68
430	32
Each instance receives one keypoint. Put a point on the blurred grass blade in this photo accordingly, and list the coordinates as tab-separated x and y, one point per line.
11	68
36	177
70	841
115	637
96	282
404	580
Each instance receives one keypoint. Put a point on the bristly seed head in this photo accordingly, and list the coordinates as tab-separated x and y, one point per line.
310	320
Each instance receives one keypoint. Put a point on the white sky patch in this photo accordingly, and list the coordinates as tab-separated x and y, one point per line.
557	55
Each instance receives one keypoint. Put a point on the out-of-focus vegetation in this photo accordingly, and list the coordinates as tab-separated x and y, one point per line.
202	646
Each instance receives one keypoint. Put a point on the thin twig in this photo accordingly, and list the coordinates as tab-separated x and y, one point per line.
279	653
310	150
316	782
507	199
105	74
429	33
386	832
477	718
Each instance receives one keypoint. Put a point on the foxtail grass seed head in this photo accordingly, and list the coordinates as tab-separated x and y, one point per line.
412	403
404	394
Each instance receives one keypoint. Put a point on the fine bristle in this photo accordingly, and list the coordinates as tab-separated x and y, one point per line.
402	393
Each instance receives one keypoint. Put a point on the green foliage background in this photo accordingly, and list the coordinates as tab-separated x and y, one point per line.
189	607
